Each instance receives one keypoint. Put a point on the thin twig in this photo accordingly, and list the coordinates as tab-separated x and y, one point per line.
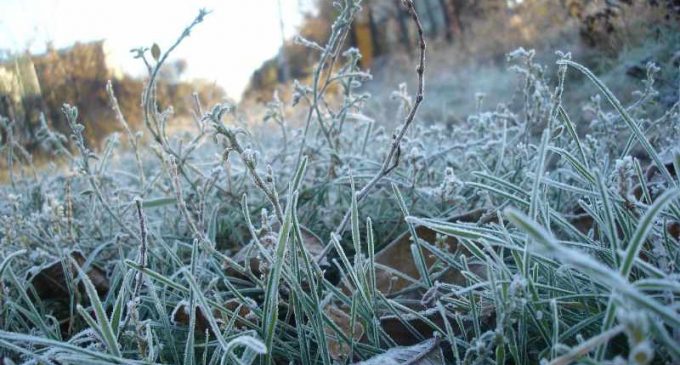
336	41
269	191
587	346
143	246
181	203
139	278
153	119
392	159
131	136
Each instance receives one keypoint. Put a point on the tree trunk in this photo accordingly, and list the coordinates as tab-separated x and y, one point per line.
432	15
375	34
402	18
284	68
452	18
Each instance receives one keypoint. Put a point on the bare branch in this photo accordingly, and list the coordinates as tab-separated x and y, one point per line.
392	159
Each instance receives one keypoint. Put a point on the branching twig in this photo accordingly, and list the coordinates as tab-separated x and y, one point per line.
134	142
338	35
139	278
143	246
269	190
155	120
181	203
86	154
392	159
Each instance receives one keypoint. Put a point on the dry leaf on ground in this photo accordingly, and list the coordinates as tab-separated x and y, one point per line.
180	315
339	349
50	281
248	255
427	352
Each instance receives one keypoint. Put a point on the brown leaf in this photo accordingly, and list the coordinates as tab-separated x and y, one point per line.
397	256
583	222
338	349
407	333
312	242
243	311
180	315
674	230
248	254
50	281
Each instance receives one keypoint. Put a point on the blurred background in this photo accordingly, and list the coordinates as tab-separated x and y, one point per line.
56	51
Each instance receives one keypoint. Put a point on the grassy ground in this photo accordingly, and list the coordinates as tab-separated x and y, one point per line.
517	234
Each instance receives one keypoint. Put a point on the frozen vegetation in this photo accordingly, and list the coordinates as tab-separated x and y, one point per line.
514	236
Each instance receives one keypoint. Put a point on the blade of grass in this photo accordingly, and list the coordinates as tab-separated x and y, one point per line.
104	326
632	125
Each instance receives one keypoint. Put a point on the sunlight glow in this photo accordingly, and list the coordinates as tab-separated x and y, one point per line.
232	42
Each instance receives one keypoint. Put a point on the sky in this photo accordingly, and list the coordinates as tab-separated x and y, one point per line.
226	48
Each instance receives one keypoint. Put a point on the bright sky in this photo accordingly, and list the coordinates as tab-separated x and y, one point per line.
226	48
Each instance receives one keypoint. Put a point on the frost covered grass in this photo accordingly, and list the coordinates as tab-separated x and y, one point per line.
515	236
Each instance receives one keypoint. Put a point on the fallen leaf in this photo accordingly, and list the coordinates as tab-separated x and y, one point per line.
674	230
398	257
50	281
427	352
180	315
339	350
312	242
403	333
244	311
248	255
